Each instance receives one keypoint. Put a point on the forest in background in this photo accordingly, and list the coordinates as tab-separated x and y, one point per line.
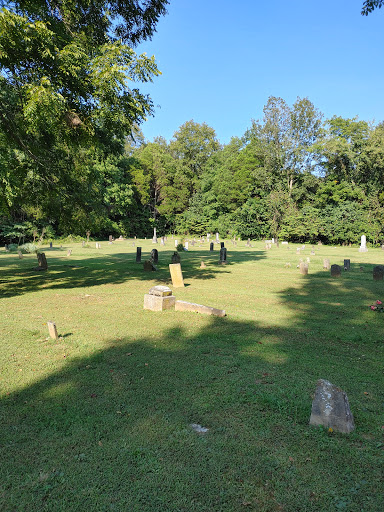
73	158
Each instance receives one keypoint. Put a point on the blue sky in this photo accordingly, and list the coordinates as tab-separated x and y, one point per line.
221	60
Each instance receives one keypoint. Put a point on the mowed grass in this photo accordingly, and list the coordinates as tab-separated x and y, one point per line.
100	419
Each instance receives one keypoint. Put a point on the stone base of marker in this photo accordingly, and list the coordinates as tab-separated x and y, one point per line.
378	273
330	408
181	305
159	298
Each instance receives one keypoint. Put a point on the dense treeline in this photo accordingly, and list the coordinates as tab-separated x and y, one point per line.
291	176
72	158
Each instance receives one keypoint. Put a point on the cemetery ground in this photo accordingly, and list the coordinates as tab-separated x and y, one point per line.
100	419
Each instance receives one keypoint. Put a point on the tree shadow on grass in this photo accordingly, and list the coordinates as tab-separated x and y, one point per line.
19	277
112	431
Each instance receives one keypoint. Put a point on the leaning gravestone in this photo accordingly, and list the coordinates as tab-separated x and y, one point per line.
347	264
138	254
176	275
155	255
335	271
330	408
378	273
363	245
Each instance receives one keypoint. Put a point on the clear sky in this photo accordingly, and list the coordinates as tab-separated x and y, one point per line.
221	60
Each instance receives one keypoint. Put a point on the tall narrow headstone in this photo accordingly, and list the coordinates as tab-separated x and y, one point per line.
42	260
138	254
347	264
326	264
50	245
186	245
176	275
223	255
162	241
155	255
363	244
176	243
221	245
211	246
217	238
110	240
52	330
154	239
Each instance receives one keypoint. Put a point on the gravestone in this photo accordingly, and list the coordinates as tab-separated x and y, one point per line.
88	234
313	253
155	255
50	245
69	252
221	245
138	254
363	244
186	246
181	305
347	264
176	275
83	243
248	244
159	298
6	247
162	241
298	250
378	273
20	255
154	239
223	256
217	238
110	240
335	271
149	266
211	246
203	265
326	264
176	243
303	268
98	246
52	330
175	258
42	260
330	408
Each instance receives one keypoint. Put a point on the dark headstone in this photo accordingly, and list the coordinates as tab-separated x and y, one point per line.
155	255
42	260
211	245
149	266
221	244
335	271
347	264
175	257
330	408
223	255
50	245
138	254
378	273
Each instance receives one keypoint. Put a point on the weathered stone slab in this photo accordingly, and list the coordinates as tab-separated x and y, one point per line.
335	271
176	275
156	303
20	255
160	291
347	264
181	305
42	260
52	330
330	408
223	255
303	268
378	273
326	264
149	266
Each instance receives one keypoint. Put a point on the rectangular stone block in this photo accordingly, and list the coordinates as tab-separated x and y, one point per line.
160	291
176	275
156	303
198	308
52	330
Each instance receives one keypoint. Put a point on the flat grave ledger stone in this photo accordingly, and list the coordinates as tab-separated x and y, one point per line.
176	275
52	330
284	243
159	298
181	305
347	264
149	266
138	254
326	264
155	255
330	408
175	258
211	246
378	273
223	255
363	244
335	271
303	268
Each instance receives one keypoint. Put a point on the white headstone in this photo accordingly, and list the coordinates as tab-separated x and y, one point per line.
363	245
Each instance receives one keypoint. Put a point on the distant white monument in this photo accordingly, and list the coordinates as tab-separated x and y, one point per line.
363	244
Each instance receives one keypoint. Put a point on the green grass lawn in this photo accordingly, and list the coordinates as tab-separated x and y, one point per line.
100	419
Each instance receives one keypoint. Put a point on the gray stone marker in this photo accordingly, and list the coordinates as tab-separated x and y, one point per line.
303	268
155	255
159	298
138	254
181	305
223	256
326	264
149	266
298	250
330	408
175	258
211	246
313	253
20	255
335	271
52	330
347	264
42	260
363	244
378	273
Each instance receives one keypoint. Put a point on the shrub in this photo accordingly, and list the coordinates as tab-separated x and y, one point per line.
28	248
180	247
